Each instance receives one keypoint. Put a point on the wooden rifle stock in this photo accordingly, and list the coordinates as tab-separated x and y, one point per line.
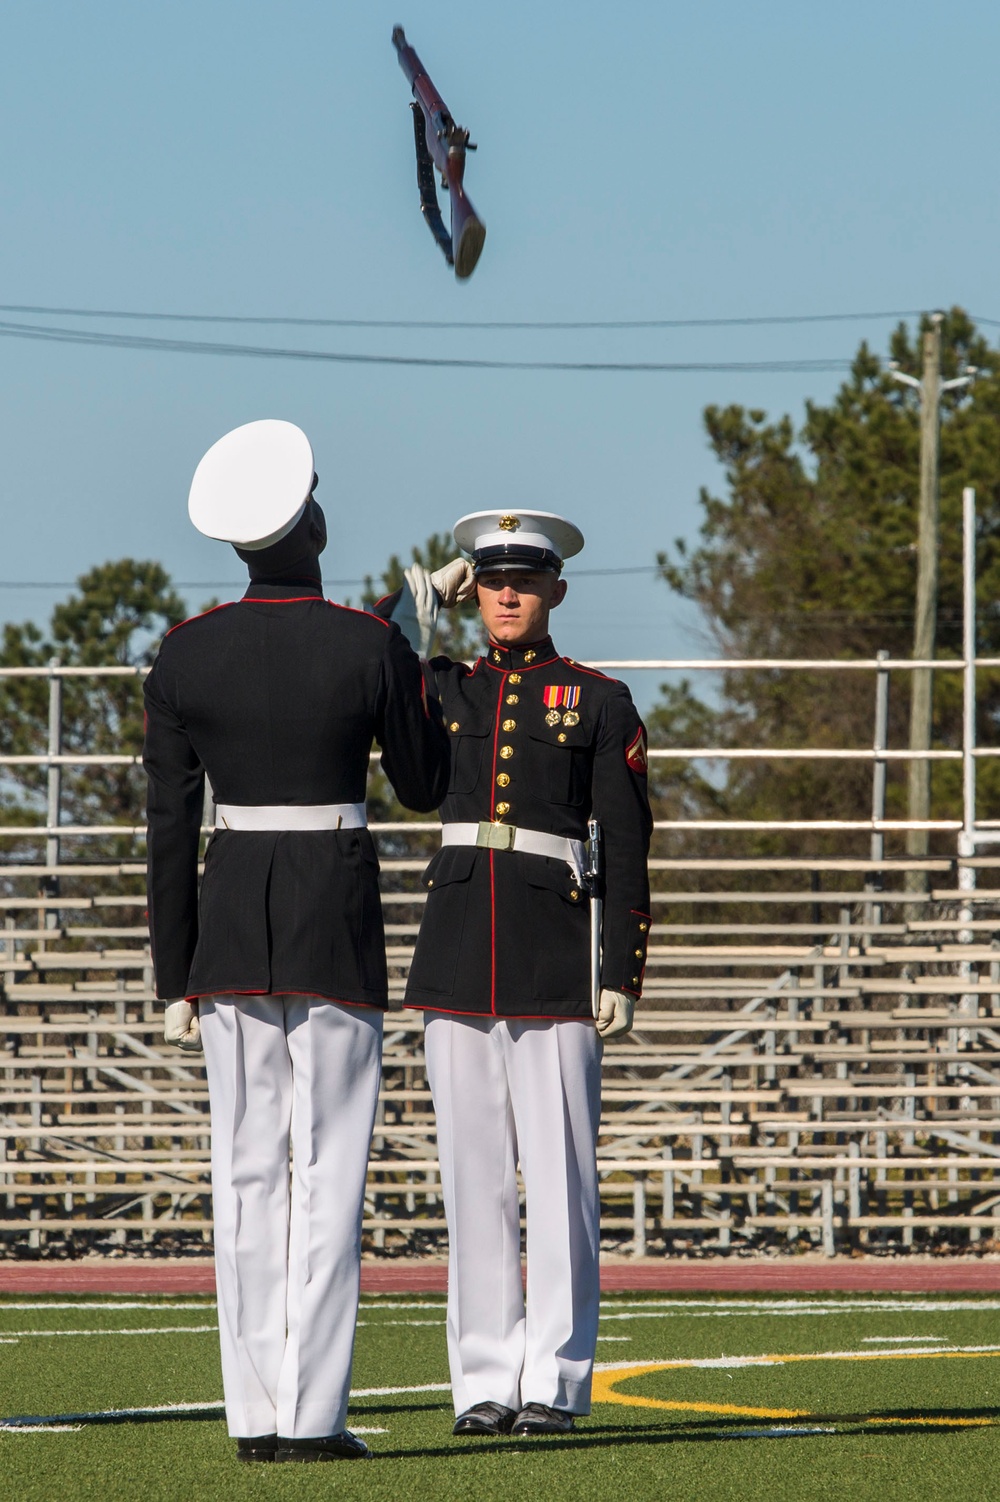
442	144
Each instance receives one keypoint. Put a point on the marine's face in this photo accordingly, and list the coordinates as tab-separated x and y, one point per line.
515	606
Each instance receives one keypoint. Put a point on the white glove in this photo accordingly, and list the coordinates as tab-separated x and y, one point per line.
614	1014
417	610
181	1026
455	582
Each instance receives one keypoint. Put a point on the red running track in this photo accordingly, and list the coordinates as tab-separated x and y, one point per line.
901	1275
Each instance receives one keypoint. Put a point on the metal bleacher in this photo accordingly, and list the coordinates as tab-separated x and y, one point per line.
828	1076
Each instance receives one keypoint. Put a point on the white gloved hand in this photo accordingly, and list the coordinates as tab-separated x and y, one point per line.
454	582
417	609
614	1014
181	1026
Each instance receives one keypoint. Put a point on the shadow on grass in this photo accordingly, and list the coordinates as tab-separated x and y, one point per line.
897	1423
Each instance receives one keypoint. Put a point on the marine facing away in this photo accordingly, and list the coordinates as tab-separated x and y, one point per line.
279	966
540	744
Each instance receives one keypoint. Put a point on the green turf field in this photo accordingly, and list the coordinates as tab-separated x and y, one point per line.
746	1397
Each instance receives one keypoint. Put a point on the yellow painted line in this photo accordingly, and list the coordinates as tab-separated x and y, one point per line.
605	1388
605	1384
942	1422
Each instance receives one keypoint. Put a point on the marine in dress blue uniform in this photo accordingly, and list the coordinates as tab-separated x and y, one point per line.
540	744
278	964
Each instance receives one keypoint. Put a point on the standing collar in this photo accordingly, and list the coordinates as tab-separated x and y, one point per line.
529	655
294	589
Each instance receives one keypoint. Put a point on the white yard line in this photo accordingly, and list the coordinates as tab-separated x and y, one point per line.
725	1310
379	1324
874	1301
152	1330
41	1428
885	1340
391	1392
149	1307
725	1362
70	1422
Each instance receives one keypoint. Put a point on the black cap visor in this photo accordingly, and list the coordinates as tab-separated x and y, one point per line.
511	556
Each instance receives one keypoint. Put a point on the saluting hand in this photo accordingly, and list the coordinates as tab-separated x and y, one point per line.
181	1026
615	1014
454	582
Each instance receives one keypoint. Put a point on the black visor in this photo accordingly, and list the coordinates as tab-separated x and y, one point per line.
513	555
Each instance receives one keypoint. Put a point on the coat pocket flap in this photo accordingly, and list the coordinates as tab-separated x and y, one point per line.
451	863
553	876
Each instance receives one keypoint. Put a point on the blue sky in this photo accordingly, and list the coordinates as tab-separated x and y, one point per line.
637	161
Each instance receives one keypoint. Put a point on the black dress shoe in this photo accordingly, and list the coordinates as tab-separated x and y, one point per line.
538	1418
342	1446
258	1447
485	1418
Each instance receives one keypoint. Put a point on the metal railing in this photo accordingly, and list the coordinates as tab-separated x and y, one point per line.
815	1062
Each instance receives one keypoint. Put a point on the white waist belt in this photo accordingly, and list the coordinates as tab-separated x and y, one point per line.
509	837
271	816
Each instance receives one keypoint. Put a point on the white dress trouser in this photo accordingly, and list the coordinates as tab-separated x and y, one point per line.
509	1091
301	1074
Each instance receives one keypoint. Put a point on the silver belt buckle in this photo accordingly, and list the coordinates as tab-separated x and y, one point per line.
495	836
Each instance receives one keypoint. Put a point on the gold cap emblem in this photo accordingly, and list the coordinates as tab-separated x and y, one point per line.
509	523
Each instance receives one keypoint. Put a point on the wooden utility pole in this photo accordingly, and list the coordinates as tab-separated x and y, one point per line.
925	615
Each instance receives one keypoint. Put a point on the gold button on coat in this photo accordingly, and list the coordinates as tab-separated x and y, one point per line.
506	752
638	954
515	677
530	656
513	698
574	894
643	927
453	725
503	780
503	808
510	724
561	736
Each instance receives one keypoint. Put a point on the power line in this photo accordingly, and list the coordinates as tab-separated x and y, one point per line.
550	325
234	584
54	334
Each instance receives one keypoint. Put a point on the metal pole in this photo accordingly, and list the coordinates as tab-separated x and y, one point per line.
925	614
873	914
969	666
969	1002
54	798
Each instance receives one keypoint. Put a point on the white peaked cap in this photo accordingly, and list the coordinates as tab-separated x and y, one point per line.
513	536
252	486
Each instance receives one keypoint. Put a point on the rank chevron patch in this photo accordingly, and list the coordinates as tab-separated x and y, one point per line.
561	695
635	754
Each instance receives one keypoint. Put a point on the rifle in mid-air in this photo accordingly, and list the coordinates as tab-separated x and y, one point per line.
442	144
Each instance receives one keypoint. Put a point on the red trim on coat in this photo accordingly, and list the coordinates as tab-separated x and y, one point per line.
224	606
289	600
578	667
352	610
423	1006
493	900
